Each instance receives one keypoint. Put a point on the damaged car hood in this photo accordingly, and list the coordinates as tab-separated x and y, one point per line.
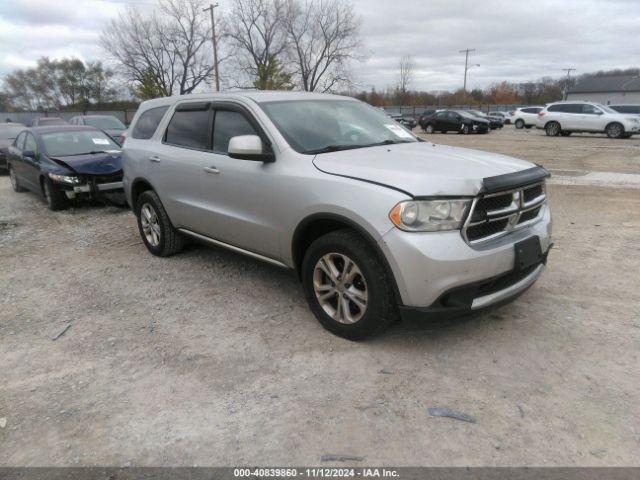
93	164
420	168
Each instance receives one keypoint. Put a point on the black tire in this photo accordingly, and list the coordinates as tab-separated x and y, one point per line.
614	130
519	124
627	135
428	128
381	309
15	183
565	134
464	130
55	198
170	241
552	129
528	127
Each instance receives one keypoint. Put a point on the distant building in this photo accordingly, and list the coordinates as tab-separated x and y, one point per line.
607	90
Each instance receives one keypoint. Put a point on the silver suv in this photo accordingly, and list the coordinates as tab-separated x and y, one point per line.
378	223
565	118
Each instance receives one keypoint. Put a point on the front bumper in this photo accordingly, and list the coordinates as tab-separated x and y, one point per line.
429	266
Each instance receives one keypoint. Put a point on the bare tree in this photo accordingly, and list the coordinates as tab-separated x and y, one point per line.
324	37
407	73
257	36
170	48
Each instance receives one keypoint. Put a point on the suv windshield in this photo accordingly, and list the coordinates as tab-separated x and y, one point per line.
9	132
105	123
317	126
62	144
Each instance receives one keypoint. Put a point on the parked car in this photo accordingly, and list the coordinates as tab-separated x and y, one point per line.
454	121
66	163
376	222
8	133
427	113
504	116
565	118
406	121
46	121
494	122
525	117
107	123
633	109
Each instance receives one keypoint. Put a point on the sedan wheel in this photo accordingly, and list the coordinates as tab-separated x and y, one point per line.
428	129
150	225
465	129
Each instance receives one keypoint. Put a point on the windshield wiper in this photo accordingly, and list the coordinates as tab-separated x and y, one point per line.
92	152
337	148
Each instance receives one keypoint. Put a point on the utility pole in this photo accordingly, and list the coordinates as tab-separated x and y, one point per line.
466	52
215	43
566	85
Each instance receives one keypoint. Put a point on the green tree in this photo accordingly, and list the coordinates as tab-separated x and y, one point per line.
272	76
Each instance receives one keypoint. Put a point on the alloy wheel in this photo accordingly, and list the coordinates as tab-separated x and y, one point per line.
429	129
340	288
614	130
150	225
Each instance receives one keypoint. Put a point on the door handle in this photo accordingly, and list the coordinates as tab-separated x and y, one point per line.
154	159
211	169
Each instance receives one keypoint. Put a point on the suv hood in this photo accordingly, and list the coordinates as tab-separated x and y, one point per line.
96	164
421	168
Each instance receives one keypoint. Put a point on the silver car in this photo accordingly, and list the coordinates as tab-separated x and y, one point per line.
377	223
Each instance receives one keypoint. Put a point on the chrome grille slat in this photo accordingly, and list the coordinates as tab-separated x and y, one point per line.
481	223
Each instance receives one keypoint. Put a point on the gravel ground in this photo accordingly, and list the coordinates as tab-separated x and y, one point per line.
210	358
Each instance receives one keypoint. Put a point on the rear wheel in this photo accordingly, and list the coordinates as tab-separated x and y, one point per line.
15	183
347	287
519	123
158	234
552	129
54	197
614	130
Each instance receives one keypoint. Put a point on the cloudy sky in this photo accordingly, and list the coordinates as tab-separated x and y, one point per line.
515	40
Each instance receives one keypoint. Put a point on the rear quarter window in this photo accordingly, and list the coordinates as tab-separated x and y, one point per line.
148	122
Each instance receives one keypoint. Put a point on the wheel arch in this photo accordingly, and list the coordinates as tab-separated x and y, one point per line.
613	122
138	186
318	224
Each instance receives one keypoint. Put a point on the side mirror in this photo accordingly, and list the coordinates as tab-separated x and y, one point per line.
249	147
29	154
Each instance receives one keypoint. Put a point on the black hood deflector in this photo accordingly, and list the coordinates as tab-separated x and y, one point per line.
509	181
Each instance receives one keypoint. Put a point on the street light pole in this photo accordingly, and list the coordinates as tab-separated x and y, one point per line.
466	52
566	85
215	44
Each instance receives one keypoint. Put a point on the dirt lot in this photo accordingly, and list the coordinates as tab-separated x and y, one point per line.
210	358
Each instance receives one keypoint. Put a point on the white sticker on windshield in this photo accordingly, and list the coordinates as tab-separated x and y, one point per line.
398	130
100	141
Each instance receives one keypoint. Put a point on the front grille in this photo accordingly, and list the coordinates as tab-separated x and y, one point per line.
496	214
106	178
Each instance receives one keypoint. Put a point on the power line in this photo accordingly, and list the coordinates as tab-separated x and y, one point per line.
215	44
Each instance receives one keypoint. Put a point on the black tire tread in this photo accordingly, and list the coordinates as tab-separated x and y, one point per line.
172	241
367	258
57	199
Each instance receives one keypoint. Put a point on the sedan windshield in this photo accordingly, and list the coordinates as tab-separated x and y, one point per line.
79	142
9	132
318	126
105	123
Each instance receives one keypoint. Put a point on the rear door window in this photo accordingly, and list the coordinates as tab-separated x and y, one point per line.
228	124
189	128
148	122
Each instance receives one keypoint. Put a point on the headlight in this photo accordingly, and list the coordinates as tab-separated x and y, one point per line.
429	215
64	178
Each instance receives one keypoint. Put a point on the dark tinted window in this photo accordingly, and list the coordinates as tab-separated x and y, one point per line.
189	128
229	124
148	122
530	110
51	121
627	108
566	108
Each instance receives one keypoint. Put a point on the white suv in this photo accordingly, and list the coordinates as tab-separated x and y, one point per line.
525	117
564	118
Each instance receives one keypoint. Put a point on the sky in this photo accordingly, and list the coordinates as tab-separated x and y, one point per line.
514	40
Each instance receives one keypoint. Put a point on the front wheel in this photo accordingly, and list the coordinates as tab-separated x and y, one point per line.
428	129
347	287
464	129
54	197
552	129
158	234
614	130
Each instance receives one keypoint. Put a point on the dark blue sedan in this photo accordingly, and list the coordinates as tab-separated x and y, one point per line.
66	164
